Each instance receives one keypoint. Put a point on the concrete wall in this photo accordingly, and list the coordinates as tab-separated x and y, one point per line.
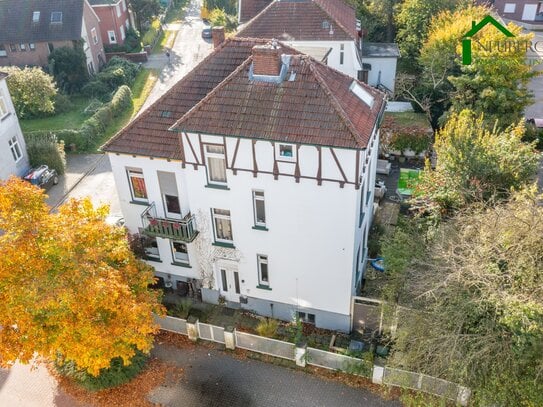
9	128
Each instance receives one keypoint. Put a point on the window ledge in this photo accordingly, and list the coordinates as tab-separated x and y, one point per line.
215	186
153	260
224	244
139	203
263	287
8	114
179	264
256	227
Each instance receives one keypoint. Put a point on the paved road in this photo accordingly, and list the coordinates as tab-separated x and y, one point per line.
188	50
215	379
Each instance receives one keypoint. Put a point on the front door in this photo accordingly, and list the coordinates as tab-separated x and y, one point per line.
229	283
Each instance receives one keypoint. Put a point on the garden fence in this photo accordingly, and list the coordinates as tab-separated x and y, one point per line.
265	345
316	357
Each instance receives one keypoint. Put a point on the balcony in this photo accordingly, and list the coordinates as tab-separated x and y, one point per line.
183	230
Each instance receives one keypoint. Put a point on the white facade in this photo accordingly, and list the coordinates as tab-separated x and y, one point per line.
313	237
13	155
349	63
383	71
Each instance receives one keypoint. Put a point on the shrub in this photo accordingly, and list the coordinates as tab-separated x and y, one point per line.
63	103
69	136
93	107
32	91
118	373
44	148
152	33
267	327
130	68
121	100
118	72
96	89
218	17
132	42
69	67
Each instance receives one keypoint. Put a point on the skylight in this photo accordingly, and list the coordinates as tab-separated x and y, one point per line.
56	17
362	94
35	16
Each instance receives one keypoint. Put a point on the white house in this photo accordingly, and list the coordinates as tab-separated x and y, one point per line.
318	24
13	156
252	178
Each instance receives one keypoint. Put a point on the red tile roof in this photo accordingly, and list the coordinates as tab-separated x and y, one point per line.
302	20
148	133
250	8
313	104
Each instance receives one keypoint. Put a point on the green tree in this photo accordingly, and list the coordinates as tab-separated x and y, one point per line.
69	67
33	92
377	17
477	302
145	10
475	162
413	21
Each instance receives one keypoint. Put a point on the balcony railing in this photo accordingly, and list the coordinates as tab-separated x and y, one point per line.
183	230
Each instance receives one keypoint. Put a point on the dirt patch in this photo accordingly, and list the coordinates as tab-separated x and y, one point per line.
131	394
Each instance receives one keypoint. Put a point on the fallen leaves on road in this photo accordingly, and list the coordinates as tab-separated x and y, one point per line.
131	394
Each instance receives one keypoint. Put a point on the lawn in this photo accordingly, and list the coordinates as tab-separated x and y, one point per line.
144	83
409	118
68	120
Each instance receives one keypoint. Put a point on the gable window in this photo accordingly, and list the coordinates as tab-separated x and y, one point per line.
122	32
15	149
94	35
263	273
13	47
222	225
3	107
35	16
32	46
216	164
259	208
341	53
118	9
137	185
180	252
112	37
22	47
286	152
3	52
306	317
56	17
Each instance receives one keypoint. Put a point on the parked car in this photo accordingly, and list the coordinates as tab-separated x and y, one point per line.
206	33
42	177
538	123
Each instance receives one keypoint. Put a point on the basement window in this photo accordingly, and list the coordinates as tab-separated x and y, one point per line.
306	317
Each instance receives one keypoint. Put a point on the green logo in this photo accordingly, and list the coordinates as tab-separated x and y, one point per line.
466	41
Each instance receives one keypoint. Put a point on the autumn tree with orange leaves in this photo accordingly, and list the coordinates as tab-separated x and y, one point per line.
70	288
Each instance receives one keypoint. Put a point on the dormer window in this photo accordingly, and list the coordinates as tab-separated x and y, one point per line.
165	113
56	17
35	16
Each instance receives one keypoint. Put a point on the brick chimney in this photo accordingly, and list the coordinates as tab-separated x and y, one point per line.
267	59
217	34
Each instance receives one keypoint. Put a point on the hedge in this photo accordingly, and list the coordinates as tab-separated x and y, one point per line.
93	129
45	149
117	72
152	33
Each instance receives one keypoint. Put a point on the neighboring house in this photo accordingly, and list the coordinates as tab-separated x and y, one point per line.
257	167
329	24
31	29
248	9
114	20
525	11
13	156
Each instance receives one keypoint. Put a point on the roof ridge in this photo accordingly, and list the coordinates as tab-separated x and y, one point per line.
251	21
336	20
335	103
147	111
211	94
